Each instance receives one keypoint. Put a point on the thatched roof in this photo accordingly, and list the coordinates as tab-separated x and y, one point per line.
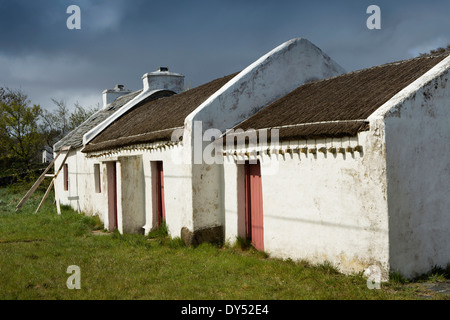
338	106
75	137
335	107
155	120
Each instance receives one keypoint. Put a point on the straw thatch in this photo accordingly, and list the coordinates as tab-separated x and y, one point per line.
338	106
335	107
155	120
75	137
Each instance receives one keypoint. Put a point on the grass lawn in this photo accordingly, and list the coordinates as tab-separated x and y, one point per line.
37	249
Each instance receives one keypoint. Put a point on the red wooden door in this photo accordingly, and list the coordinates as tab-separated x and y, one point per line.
254	205
161	209
112	195
66	177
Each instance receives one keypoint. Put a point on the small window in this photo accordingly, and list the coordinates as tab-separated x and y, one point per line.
66	177
97	180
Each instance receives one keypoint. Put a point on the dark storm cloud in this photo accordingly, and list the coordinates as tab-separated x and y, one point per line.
121	40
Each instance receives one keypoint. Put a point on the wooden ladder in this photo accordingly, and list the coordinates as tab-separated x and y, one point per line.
41	178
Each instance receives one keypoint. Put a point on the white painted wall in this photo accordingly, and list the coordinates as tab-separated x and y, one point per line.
418	167
81	195
132	194
177	189
234	200
269	78
323	207
136	188
277	73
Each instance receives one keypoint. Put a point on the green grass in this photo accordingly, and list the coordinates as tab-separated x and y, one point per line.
37	249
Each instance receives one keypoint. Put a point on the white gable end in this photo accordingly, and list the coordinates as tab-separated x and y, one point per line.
275	74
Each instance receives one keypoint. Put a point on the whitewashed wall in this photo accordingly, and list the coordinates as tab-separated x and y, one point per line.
136	188
269	78
81	195
177	189
418	167
131	190
318	208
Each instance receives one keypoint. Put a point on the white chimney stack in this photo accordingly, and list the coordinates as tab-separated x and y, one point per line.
162	79
110	95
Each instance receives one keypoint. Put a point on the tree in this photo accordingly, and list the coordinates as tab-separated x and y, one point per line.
25	129
80	115
56	124
19	134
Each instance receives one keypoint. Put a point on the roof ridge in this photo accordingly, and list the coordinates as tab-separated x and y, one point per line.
427	56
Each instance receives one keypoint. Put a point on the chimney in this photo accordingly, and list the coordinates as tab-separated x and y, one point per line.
162	79
110	95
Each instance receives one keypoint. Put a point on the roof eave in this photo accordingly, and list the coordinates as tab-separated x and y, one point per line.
383	111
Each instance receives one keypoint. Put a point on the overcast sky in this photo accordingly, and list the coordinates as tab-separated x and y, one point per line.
121	40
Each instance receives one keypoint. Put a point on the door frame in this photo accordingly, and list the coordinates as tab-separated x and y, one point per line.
254	223
111	173
160	202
